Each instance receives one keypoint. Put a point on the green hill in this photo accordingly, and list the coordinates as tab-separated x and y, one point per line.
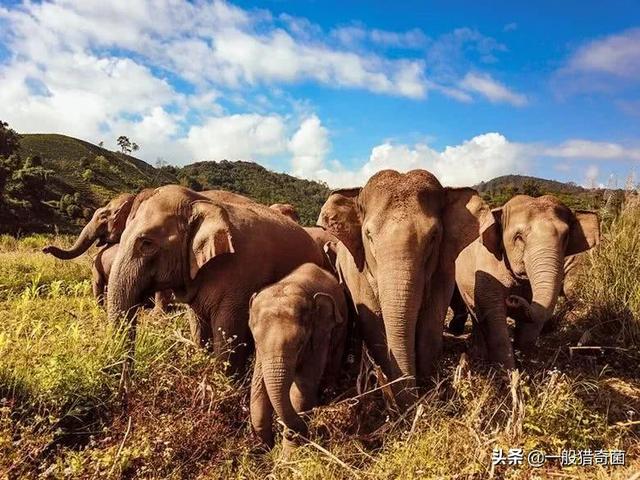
500	189
71	160
260	184
75	177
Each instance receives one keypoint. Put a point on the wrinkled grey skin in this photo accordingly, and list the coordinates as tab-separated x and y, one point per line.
516	267
299	328
399	237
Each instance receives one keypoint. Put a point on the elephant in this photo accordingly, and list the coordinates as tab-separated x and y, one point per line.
515	269
106	226
326	241
212	254
399	237
287	210
299	330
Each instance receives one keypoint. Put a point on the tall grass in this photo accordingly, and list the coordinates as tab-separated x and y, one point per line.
610	282
60	418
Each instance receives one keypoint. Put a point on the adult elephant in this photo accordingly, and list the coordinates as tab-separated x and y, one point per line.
106	226
213	254
325	240
516	268
400	235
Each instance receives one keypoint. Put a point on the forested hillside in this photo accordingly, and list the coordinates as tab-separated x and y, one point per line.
52	182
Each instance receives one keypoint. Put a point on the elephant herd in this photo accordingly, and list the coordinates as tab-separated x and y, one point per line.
389	258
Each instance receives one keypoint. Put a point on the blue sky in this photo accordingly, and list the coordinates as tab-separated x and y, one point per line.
335	91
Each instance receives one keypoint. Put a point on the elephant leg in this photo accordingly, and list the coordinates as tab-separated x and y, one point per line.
430	327
232	342
373	333
98	286
460	314
200	328
493	322
260	406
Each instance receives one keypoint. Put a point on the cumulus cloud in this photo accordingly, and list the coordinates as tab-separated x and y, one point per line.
309	146
493	90
237	137
480	158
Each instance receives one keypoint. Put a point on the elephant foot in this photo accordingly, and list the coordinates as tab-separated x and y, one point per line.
456	325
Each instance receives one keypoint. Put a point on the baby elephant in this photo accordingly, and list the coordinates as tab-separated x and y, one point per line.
299	329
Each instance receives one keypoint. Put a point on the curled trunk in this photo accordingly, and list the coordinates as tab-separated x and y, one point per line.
544	266
82	244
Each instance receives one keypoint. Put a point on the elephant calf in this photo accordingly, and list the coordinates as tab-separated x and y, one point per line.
516	267
299	328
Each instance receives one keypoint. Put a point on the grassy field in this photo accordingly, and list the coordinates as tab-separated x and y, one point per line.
60	362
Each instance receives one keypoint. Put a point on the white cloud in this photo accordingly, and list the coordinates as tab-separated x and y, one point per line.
480	158
578	148
591	176
491	89
356	34
309	146
617	55
237	137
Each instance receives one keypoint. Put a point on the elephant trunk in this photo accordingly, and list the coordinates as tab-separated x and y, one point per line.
278	378
544	267
86	238
124	294
400	287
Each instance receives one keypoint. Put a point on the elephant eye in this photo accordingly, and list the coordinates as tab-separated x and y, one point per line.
145	246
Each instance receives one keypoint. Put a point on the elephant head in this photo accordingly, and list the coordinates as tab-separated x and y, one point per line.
106	226
170	237
404	232
289	326
532	236
287	210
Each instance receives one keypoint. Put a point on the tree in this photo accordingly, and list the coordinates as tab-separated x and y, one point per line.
125	144
101	144
9	140
135	147
88	175
531	188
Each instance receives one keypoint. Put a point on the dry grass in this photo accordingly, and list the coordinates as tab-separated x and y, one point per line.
59	365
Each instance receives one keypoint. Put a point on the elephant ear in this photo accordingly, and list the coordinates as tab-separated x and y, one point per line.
121	214
210	235
137	201
327	315
491	232
461	216
584	232
339	216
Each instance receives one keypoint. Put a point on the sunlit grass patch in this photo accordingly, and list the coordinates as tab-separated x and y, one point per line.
610	282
